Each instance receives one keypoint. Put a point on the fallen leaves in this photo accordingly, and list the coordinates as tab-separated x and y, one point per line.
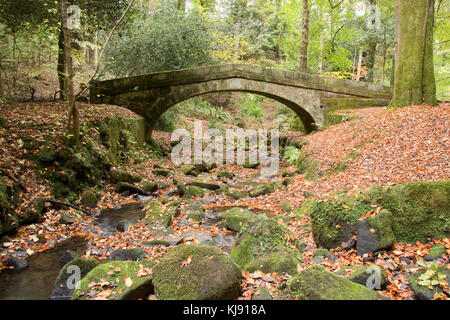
186	262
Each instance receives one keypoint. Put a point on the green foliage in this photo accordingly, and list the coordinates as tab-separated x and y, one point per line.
431	277
166	39
292	154
251	106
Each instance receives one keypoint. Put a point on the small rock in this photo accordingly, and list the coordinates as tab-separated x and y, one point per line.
127	254
68	256
261	293
127	188
123	225
16	263
67	219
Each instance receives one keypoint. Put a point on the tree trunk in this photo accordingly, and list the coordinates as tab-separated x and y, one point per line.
414	77
61	66
372	45
305	38
358	76
74	117
181	5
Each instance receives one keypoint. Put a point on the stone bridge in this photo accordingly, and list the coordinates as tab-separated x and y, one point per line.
153	94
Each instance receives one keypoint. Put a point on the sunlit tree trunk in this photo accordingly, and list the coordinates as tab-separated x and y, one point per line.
372	43
305	38
74	117
414	77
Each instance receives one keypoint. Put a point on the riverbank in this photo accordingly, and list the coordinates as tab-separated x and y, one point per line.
380	147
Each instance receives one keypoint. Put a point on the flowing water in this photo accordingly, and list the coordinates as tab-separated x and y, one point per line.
37	280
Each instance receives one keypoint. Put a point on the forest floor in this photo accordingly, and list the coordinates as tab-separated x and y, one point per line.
391	147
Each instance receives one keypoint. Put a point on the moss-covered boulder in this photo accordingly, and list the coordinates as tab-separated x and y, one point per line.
280	262
67	219
196	272
373	277
117	280
190	171
320	253
121	176
154	214
161	172
262	190
250	165
316	283
195	212
181	189
419	210
236	194
285	206
149	187
89	199
193	192
235	218
225	174
436	252
128	188
375	233
205	185
67	278
261	237
262	293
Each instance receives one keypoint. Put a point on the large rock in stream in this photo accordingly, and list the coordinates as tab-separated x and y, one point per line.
117	280
196	272
420	210
265	244
316	283
67	278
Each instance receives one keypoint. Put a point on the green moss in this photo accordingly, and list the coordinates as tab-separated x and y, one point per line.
121	176
436	252
205	185
237	194
285	206
419	210
140	287
263	236
85	266
280	262
225	174
209	275
316	283
321	252
332	104
262	190
235	218
193	192
155	213
149	186
89	199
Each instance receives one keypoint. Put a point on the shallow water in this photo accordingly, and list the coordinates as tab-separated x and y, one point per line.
36	282
110	218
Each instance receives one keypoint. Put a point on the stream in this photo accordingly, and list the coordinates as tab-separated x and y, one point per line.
36	282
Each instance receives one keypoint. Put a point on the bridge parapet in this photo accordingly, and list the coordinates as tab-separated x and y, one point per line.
203	74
